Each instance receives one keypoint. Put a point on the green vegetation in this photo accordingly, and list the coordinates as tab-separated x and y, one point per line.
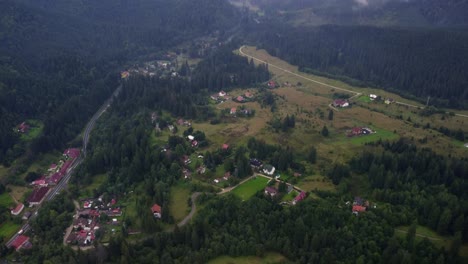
250	187
8	229
6	200
36	127
178	204
364	99
268	258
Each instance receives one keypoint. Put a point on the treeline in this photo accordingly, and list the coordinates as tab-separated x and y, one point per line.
412	62
423	185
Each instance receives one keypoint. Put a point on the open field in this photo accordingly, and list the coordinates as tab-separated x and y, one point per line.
316	183
8	229
249	188
309	102
18	192
35	130
270	258
178	205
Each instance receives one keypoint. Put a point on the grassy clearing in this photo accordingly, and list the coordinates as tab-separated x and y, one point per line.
290	196
270	258
250	188
178	205
438	240
98	180
364	99
316	183
35	130
8	229
18	192
6	200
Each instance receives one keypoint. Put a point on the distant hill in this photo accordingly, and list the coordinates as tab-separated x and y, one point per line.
419	13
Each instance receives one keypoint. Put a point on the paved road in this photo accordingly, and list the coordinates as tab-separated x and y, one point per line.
356	94
63	183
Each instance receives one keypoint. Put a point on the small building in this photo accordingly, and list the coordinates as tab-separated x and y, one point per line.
271	84
194	143
358	209
190	137
340	103
233	111
124	74
201	170
268	169
389	100
240	99
26	215
222	93
299	197
18	209
225	147
255	163
156	210
227	175
71	153
23	128
372	96
248	94
272	191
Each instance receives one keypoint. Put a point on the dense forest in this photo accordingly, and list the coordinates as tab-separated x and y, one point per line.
59	60
412	62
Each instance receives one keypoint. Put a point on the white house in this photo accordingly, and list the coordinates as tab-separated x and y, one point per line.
268	170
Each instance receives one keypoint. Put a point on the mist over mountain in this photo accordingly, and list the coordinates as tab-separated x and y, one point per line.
414	13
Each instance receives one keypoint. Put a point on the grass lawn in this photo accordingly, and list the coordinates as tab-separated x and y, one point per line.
249	188
8	229
364	99
178	205
6	200
290	196
270	258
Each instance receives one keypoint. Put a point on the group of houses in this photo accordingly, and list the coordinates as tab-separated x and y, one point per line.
152	68
374	97
273	191
54	174
87	220
359	131
246	97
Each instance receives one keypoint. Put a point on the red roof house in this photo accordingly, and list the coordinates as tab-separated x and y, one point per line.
17	210
156	209
299	197
240	98
358	209
72	152
225	147
38	195
271	84
340	103
19	242
23	128
233	111
271	191
248	94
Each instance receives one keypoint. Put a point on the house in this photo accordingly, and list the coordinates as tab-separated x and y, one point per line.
201	170
355	131
225	147
20	242
240	99
40	182
190	137
187	174
268	169
299	197
37	196
186	160
156	210
23	128
233	111
87	204
255	163
54	179
72	153
194	143
389	100
171	128
214	97
26	215
271	84
227	175
297	174
340	103
17	210
358	209
222	93
372	96
271	191
124	74
80	223
248	95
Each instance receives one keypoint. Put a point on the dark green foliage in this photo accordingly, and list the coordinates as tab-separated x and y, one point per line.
409	61
324	131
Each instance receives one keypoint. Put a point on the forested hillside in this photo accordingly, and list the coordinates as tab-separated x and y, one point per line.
59	60
413	62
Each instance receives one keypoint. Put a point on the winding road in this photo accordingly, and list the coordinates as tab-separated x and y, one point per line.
63	183
355	94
